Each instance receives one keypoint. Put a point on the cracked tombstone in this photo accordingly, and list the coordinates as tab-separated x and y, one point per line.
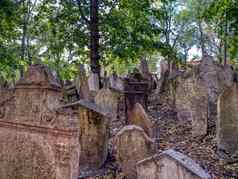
36	140
170	165
132	145
94	136
227	125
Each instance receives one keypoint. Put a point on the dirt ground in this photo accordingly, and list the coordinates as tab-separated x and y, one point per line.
176	134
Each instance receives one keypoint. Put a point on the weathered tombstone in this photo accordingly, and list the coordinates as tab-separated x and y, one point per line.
132	145
82	83
146	74
93	82
144	68
70	92
139	117
116	83
94	134
164	67
170	165
37	140
135	90
114	103
107	99
215	78
191	100
227	125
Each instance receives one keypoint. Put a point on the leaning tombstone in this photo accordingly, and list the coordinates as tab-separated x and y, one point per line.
36	140
170	165
94	134
227	125
132	145
138	116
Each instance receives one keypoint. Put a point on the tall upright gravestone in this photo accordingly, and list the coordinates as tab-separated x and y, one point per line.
37	140
94	133
227	125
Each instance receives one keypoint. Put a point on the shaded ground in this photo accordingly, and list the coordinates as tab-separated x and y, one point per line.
176	134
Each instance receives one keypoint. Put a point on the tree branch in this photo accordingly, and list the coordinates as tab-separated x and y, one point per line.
82	13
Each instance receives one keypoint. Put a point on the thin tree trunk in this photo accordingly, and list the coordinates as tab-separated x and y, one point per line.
23	41
202	43
28	51
94	39
225	41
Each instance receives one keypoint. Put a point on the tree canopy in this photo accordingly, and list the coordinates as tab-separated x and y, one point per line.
58	33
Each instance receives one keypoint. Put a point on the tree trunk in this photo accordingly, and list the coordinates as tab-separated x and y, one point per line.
225	41
202	41
94	39
23	41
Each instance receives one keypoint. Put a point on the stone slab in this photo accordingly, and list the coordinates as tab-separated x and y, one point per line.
170	164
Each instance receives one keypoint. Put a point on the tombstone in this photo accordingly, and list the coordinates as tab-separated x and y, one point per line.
113	102
227	125
146	74
164	67
191	100
144	68
82	83
136	90
94	134
36	139
139	117
116	83
70	92
170	165
93	82
216	78
132	145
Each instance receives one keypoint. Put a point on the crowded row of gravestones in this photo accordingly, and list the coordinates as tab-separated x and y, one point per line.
42	137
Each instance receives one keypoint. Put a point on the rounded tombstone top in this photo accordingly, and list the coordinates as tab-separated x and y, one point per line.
40	76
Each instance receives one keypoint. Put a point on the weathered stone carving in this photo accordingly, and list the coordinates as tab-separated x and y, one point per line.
227	125
33	130
170	164
94	133
132	145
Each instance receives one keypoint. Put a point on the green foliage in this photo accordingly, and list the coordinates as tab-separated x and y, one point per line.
57	34
221	12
